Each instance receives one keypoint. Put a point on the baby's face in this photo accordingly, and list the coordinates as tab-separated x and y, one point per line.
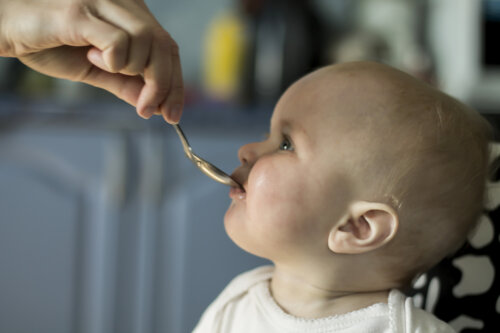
296	184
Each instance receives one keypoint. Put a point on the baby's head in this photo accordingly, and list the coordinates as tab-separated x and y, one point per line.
365	169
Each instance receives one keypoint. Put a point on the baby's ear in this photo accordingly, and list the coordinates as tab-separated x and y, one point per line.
366	227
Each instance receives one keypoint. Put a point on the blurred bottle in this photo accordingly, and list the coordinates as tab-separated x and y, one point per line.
253	55
225	48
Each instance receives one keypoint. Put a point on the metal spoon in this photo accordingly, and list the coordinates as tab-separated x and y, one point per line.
206	167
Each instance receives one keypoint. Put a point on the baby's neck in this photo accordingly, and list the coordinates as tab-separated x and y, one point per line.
300	298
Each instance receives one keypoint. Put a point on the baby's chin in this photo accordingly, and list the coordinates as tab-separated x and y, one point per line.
231	213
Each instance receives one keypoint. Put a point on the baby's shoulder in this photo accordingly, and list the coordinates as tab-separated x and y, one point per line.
215	318
243	282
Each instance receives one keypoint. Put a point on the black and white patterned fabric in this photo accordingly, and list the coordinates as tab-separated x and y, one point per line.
464	290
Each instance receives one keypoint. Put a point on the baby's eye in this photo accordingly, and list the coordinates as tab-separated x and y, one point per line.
286	144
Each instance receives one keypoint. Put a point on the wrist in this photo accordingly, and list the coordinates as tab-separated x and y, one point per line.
6	49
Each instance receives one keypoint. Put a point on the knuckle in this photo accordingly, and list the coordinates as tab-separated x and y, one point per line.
160	87
73	11
74	14
119	40
78	10
131	70
142	31
117	50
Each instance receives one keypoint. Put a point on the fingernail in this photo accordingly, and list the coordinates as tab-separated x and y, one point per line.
148	112
175	112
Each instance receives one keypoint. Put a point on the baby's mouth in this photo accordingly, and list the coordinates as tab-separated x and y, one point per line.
237	193
238	180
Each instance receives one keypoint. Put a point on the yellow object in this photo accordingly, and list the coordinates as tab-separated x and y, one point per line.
225	46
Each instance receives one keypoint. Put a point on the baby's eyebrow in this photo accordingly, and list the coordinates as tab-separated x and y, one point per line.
293	129
282	125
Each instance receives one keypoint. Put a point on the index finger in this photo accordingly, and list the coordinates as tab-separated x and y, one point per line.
156	77
173	105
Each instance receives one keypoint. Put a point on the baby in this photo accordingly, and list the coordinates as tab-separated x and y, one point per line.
368	178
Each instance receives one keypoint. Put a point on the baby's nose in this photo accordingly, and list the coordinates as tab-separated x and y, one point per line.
248	153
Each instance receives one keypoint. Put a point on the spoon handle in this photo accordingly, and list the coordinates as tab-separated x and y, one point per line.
184	141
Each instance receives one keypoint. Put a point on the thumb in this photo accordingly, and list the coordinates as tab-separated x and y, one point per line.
95	56
123	86
102	36
71	63
127	88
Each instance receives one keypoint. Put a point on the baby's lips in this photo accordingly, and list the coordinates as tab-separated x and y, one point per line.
237	193
237	179
242	185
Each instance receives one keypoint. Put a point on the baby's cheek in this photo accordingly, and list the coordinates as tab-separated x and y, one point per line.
278	198
269	186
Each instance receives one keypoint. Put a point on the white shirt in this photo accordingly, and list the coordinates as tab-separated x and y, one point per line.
246	306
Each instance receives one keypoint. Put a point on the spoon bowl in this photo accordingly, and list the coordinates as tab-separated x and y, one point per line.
206	167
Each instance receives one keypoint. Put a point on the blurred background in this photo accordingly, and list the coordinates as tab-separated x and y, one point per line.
106	227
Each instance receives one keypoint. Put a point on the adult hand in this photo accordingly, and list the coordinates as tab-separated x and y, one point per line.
115	45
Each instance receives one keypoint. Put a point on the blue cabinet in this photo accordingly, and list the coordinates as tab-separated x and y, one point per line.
105	226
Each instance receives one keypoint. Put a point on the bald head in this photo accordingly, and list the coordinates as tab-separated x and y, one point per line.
409	145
